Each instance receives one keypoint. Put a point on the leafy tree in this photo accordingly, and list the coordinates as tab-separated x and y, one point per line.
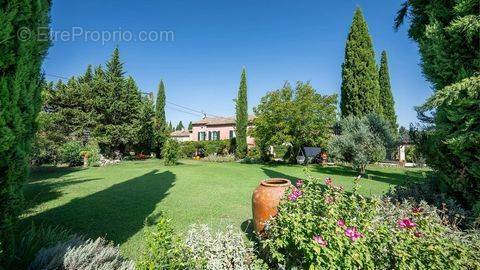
386	97
362	140
160	121
241	121
448	35
360	87
20	101
296	118
190	125
180	126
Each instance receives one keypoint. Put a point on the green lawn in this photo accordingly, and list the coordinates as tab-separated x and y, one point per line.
115	201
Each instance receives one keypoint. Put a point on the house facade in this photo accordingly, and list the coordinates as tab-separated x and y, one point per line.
217	128
180	135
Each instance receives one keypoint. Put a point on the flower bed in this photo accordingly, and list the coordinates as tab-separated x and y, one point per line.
320	226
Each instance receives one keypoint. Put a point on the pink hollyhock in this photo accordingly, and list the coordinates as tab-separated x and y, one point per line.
418	234
353	234
406	223
341	222
295	194
319	239
328	181
299	183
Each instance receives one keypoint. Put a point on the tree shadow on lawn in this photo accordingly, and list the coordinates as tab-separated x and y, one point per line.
392	178
40	192
40	173
117	212
275	174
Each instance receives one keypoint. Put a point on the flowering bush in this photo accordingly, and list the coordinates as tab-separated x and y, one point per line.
170	152
220	158
321	226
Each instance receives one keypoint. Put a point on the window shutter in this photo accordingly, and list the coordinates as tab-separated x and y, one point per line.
209	135
198	136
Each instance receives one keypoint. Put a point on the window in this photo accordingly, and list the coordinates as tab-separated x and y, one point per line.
201	136
214	135
232	134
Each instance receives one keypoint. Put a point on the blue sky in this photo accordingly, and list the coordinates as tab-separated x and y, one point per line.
275	40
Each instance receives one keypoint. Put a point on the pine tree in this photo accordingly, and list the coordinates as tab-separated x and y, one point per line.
160	120
241	117
386	97
170	127
145	131
360	87
190	125
20	101
180	126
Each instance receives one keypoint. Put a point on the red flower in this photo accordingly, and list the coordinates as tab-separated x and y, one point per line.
319	239
328	181
353	234
341	223
417	210
418	234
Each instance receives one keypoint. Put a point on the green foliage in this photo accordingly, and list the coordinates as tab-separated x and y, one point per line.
220	147
171	152
299	117
360	86
71	153
325	226
77	253
190	125
219	158
20	99
164	249
241	122
146	134
180	126
361	141
448	36
201	249
386	97
22	250
92	151
161	130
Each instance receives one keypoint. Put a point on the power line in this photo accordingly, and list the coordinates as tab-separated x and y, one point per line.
192	111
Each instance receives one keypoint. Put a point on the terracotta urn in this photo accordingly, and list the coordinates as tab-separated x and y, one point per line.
265	200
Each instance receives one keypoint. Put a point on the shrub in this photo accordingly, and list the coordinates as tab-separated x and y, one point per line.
321	226
71	153
164	249
221	250
79	254
201	249
187	149
93	153
170	152
28	242
219	158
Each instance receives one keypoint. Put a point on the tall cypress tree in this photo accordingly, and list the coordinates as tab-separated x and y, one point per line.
160	120
20	100
190	125
242	117
180	126
360	87
386	97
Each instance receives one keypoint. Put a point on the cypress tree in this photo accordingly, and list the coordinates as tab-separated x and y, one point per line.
20	101
241	117
180	126
170	128
160	120
190	125
386	97
360	87
146	133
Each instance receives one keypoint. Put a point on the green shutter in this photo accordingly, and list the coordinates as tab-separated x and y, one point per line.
198	136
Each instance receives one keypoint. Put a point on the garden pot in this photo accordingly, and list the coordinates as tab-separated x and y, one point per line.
265	200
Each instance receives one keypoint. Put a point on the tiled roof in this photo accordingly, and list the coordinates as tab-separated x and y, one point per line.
217	121
180	133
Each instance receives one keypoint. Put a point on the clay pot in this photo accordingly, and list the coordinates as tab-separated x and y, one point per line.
265	200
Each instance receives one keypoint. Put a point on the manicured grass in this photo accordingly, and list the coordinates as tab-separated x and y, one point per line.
117	201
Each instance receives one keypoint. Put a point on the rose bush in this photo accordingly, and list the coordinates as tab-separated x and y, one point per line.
319	225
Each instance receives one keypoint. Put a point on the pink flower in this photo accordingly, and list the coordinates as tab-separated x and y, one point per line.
353	234
295	194
299	183
329	199
406	223
319	239
418	234
328	181
341	222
